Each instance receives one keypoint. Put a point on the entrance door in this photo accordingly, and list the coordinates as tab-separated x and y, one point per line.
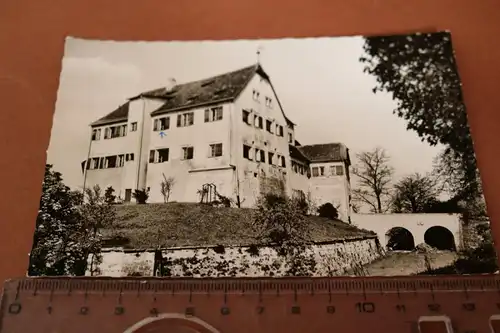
128	194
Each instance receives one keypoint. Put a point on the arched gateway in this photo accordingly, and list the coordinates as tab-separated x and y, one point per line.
405	231
171	323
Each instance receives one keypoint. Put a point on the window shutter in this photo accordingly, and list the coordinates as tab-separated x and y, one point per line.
179	120
207	115
167	123
155	126
151	156
191	118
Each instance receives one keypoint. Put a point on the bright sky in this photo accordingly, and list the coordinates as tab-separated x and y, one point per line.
319	81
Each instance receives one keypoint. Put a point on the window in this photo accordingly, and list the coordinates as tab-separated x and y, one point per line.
321	171
269	126
162	155
337	170
101	162
115	131
94	163
133	127
283	164
213	114
270	158
129	157
269	102
187	153
185	119
259	122
246	116
159	155
260	155
110	162
255	95
121	161
246	152
161	124
216	150
96	134
315	172
290	137
279	130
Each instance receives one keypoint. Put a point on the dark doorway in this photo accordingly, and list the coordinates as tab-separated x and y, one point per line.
128	194
400	239
440	238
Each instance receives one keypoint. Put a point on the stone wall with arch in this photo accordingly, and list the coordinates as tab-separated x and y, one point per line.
442	231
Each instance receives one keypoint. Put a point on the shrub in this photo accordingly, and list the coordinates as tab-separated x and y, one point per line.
141	196
328	210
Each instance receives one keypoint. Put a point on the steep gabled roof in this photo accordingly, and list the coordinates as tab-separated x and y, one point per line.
217	89
118	115
326	152
296	154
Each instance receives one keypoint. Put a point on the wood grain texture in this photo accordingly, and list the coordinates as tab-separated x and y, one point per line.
32	35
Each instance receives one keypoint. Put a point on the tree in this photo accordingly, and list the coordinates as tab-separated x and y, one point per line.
420	72
374	177
109	196
414	194
280	222
56	249
67	228
97	212
166	187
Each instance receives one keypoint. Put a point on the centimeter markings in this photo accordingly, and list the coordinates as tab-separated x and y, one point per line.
262	285
277	286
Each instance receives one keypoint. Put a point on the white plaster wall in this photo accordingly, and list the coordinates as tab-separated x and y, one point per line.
331	188
190	175
259	138
125	177
119	264
417	224
332	259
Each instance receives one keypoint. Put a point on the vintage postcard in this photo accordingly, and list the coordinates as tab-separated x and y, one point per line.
291	157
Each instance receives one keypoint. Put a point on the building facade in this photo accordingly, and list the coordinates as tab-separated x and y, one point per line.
229	131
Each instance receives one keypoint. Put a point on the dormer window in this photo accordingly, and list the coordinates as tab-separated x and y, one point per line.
269	102
255	95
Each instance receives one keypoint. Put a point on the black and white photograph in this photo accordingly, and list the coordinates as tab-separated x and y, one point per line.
342	156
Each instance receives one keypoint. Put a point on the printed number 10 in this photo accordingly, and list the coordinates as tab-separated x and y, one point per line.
365	307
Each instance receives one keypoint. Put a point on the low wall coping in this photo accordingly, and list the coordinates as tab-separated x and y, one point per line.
137	250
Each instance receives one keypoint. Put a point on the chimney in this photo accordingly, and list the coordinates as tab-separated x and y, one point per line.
171	83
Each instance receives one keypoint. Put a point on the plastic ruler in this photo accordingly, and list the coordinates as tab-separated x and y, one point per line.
465	304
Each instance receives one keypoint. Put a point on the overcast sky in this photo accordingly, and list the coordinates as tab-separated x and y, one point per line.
319	81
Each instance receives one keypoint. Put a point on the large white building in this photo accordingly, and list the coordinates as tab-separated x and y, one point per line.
229	130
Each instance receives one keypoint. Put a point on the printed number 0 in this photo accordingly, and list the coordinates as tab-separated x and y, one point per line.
365	307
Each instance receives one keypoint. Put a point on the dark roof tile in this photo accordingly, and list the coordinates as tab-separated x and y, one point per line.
219	88
296	154
120	114
327	152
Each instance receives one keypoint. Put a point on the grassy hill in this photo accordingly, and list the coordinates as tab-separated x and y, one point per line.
190	225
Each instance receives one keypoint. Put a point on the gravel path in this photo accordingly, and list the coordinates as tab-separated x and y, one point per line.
408	263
